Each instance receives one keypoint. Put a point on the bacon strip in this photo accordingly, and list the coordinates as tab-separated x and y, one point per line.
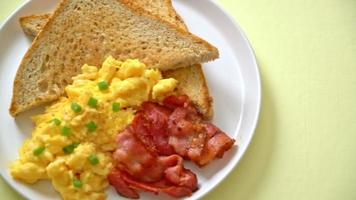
177	127
133	157
151	150
138	168
152	119
217	144
116	179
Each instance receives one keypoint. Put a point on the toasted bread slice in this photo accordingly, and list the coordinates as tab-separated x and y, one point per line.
191	79
193	85
32	24
32	89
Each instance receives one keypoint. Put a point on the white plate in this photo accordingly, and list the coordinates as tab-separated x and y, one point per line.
233	81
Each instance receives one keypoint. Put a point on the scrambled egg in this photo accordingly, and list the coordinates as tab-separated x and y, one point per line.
72	141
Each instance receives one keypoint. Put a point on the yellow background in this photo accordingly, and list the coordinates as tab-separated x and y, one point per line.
305	144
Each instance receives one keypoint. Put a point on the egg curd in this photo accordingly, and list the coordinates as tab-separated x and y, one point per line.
73	140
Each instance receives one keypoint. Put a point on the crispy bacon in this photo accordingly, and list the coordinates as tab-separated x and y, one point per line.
133	158
138	168
151	150
177	127
217	144
153	119
116	179
173	102
161	186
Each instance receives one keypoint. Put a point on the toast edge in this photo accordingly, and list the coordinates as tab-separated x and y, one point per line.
142	12
14	108
207	107
24	19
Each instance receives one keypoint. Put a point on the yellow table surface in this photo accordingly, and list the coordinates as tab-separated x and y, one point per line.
305	143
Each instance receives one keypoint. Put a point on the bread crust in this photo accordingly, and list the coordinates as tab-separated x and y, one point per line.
14	109
25	23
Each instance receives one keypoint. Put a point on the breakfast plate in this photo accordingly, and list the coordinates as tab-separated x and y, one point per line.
233	80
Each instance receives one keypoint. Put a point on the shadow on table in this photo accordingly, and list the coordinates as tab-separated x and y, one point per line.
251	171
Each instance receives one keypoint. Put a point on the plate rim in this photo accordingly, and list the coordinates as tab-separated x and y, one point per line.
258	91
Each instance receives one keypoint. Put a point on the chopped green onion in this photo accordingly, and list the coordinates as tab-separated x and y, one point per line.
38	151
65	131
77	183
116	107
103	85
92	102
56	121
70	148
76	107
93	159
76	144
91	126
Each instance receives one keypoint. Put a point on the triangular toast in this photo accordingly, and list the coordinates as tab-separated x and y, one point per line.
191	79
86	31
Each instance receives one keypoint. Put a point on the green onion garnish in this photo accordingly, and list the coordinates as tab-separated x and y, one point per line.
92	102
56	121
70	148
77	183
38	151
93	160
76	107
65	131
91	126
116	107
103	85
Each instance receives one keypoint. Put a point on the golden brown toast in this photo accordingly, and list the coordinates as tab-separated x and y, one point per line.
191	79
